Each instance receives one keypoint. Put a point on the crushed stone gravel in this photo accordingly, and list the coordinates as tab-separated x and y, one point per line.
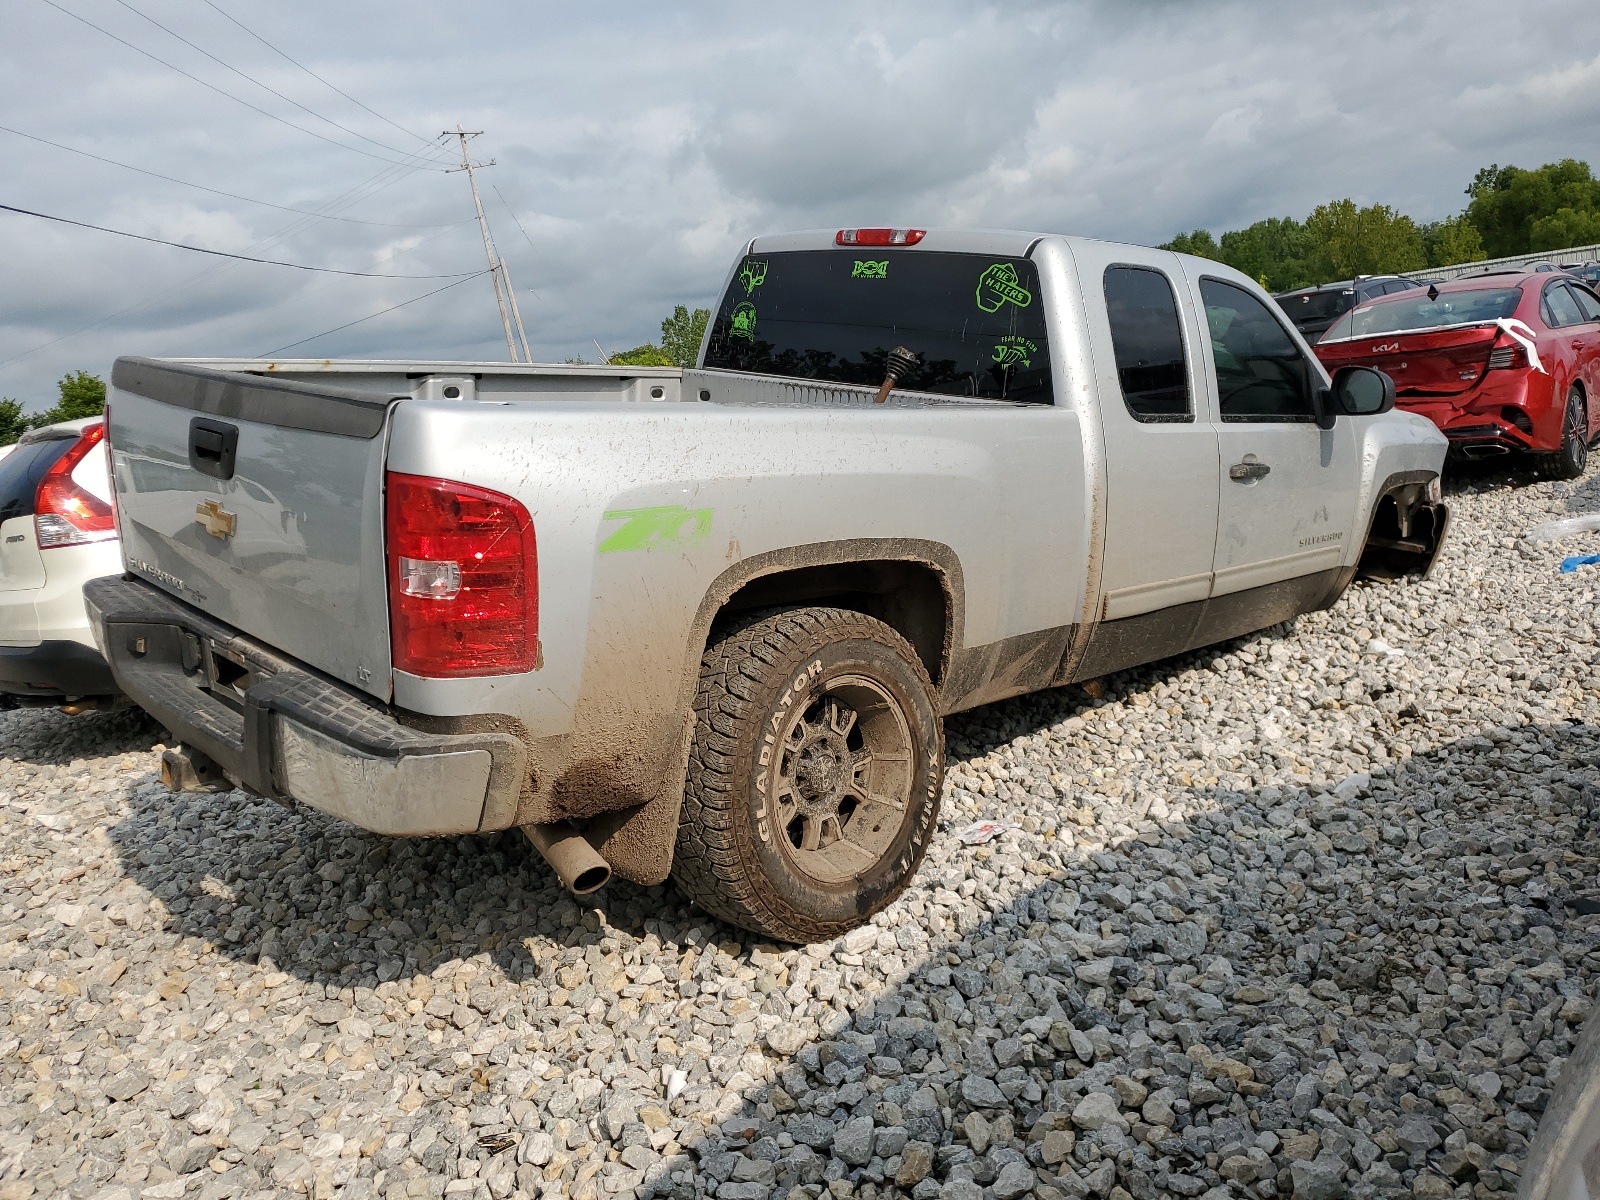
1311	913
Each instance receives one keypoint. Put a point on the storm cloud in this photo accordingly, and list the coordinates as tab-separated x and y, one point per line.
639	146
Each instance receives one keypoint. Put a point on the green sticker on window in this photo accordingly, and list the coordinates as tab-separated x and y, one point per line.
870	269
753	275
669	527
1013	350
742	321
999	284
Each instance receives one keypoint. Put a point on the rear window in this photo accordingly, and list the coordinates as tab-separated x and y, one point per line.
975	322
1416	311
23	468
1316	306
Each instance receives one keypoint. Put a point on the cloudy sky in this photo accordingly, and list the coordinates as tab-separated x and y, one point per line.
639	145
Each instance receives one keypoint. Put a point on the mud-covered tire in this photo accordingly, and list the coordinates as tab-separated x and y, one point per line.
1572	459
768	758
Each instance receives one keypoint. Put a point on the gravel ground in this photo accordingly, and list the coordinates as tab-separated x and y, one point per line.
1304	914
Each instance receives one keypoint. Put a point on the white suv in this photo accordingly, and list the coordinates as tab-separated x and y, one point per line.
57	530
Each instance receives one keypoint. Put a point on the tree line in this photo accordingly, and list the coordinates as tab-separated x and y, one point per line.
81	395
1510	210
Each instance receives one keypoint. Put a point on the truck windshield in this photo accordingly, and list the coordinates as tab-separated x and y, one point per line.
975	322
1476	306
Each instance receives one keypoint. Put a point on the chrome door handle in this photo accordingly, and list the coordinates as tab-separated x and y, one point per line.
1246	471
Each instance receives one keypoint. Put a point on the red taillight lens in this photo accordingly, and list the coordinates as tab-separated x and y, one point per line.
1506	358
64	514
463	579
879	237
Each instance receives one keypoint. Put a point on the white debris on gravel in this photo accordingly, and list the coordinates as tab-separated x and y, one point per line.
1290	916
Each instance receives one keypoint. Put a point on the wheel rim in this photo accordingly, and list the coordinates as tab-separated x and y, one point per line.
1577	433
841	781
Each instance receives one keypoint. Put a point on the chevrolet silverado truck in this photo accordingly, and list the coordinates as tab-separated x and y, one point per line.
705	623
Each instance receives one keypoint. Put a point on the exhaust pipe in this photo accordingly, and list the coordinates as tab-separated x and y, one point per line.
576	863
1484	450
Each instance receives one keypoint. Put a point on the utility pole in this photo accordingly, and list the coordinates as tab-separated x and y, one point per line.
504	295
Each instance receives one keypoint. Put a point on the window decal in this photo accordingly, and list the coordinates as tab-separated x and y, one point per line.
870	270
998	284
753	275
742	322
1012	349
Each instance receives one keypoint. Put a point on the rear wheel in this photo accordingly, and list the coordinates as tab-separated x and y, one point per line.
814	777
1569	461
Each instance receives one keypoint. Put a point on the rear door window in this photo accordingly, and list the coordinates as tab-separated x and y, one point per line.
974	322
1560	308
1148	341
24	467
1260	373
1588	303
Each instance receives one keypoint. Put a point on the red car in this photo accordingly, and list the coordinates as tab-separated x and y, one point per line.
1500	363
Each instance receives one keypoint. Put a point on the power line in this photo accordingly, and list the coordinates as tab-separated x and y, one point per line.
237	99
272	262
251	79
513	214
314	75
214	191
386	177
370	316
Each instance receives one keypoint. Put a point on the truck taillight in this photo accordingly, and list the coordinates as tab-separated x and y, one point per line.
65	514
878	237
463	579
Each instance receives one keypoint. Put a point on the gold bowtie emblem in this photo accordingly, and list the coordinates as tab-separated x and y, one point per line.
218	521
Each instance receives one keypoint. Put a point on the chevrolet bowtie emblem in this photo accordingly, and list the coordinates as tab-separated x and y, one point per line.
217	520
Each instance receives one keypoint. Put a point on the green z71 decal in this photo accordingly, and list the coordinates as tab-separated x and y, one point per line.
669	527
998	284
870	270
742	321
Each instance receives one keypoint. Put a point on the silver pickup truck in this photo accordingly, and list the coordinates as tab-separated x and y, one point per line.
706	623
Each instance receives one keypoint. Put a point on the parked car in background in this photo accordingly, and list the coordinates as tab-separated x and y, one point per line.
1504	362
1313	309
57	530
1588	272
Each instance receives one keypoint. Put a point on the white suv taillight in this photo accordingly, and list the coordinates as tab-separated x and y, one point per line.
66	514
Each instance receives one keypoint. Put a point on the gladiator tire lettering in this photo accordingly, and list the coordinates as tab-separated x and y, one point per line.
733	856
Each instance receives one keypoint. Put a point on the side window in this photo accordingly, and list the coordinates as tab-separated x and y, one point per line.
1560	308
1588	303
1148	341
1260	374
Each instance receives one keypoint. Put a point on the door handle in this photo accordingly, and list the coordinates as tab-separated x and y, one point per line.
1246	471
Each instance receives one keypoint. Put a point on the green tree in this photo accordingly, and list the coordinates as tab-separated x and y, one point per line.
1199	243
13	421
1274	252
1508	202
82	395
1450	243
1348	241
682	333
1565	227
642	356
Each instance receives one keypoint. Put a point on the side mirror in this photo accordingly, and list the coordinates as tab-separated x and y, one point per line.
1362	391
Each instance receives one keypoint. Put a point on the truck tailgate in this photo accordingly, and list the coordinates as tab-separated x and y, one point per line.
259	501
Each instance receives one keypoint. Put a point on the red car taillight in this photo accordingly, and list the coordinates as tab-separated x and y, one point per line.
1506	358
64	514
463	579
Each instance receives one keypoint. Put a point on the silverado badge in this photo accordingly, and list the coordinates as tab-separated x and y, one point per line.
218	521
